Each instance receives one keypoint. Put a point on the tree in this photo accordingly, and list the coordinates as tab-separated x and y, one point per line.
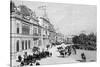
92	39
82	38
75	39
85	41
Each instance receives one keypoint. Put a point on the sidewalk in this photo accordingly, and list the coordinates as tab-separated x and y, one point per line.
55	59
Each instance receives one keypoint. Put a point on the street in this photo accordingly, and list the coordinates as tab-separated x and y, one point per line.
57	59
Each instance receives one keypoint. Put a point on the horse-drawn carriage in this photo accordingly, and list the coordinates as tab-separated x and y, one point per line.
66	50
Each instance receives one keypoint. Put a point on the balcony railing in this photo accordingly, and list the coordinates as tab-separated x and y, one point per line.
36	34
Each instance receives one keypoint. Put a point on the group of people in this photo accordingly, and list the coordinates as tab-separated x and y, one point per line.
27	59
33	59
66	49
38	55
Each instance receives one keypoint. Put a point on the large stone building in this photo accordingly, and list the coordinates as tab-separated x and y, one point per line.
28	30
68	39
25	30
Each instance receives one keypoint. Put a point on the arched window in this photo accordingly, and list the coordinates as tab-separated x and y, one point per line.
26	44
29	44
17	46
17	30
22	45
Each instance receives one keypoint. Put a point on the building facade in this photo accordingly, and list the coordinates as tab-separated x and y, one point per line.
28	30
25	32
47	32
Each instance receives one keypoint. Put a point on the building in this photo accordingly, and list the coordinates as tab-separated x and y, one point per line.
59	37
48	32
28	30
25	31
52	34
68	39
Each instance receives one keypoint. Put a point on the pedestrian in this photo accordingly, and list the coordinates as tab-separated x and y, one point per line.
69	50
47	47
37	63
19	58
25	55
25	58
83	57
74	49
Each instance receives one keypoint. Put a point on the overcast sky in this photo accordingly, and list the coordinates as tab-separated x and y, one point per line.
68	18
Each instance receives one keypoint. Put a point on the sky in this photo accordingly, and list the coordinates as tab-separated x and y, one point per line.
69	19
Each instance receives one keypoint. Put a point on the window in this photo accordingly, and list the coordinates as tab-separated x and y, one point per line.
46	27
46	32
35	31
17	46
39	31
35	42
26	44
17	30
25	29
29	44
39	43
22	45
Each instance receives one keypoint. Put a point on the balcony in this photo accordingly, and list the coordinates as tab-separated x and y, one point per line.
36	34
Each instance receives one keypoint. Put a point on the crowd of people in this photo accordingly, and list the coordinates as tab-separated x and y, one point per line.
33	59
67	50
64	50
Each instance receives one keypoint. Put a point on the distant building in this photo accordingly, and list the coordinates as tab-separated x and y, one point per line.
69	39
47	31
49	34
59	37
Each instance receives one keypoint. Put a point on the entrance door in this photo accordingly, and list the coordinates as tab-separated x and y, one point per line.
26	44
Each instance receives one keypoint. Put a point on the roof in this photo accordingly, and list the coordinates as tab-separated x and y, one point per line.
19	17
45	19
25	10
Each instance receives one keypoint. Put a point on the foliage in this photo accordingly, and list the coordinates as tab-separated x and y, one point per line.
85	41
75	39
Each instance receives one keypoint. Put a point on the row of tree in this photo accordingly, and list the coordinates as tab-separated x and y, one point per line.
86	41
